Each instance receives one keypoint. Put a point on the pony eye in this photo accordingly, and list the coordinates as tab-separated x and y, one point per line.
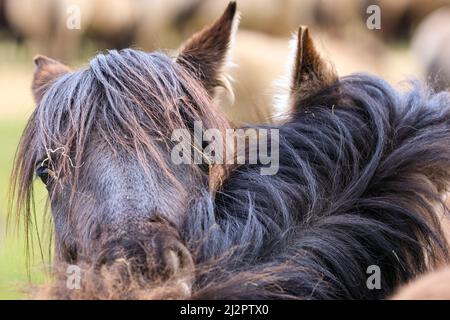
42	172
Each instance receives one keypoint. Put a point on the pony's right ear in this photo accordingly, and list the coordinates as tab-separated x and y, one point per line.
205	54
310	72
47	71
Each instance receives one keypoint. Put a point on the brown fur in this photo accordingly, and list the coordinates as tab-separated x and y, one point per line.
311	72
47	71
205	53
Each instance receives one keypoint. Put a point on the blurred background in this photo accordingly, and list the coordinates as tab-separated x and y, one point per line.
413	42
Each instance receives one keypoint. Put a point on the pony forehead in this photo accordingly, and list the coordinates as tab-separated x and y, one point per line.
127	91
157	64
126	67
125	76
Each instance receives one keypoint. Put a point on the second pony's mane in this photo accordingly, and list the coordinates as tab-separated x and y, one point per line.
361	171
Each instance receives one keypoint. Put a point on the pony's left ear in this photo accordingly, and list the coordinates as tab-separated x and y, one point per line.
47	71
205	54
310	72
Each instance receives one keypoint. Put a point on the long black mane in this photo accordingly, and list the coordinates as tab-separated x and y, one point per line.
362	171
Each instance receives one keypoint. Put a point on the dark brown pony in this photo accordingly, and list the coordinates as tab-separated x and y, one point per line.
361	175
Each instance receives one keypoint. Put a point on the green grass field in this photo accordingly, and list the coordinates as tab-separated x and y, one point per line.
15	107
14	274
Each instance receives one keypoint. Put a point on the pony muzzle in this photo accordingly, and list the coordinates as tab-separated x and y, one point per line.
160	258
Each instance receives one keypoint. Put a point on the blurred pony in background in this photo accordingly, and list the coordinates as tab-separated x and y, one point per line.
431	44
46	24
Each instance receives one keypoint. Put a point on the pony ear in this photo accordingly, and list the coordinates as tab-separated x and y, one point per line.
205	54
47	71
310	71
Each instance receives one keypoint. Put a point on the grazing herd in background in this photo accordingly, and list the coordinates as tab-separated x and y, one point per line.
124	23
431	43
121	23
